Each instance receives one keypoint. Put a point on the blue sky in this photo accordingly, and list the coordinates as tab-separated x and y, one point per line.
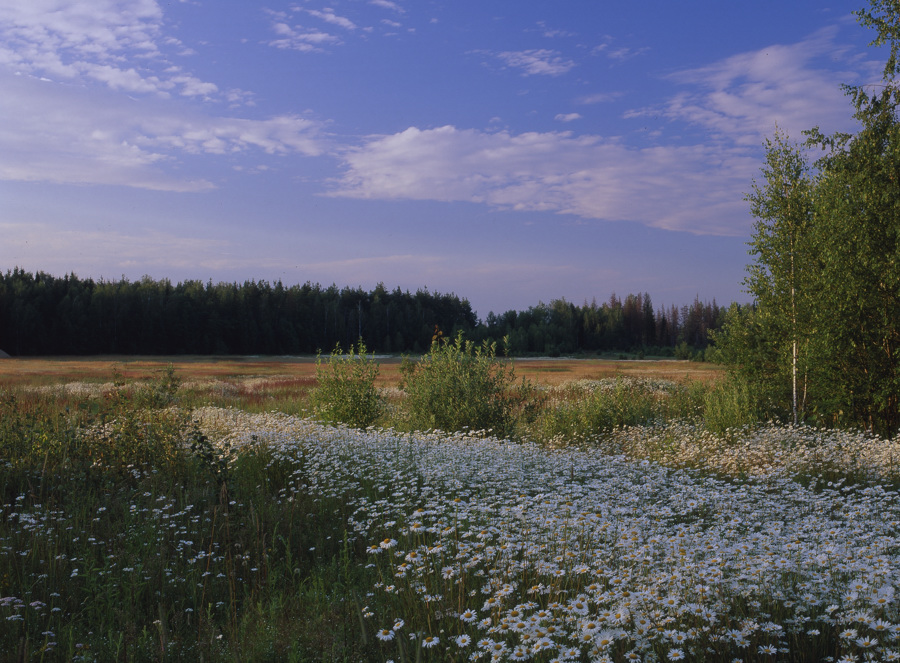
509	152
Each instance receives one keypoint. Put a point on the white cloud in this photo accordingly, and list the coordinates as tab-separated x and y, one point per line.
697	188
553	33
387	4
537	62
299	39
218	135
329	16
567	117
113	42
599	98
693	188
59	133
621	53
742	97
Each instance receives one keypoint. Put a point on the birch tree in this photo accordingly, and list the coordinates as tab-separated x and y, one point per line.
781	205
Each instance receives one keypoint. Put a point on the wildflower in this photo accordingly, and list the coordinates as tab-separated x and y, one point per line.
768	650
463	640
606	639
676	654
590	627
520	653
430	641
385	634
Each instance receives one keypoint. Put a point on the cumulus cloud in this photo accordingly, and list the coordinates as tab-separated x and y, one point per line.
567	117
691	188
533	62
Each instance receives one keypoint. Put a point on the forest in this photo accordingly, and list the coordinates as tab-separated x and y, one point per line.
41	314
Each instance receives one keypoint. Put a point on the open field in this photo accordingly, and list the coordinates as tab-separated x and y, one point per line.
143	520
43	370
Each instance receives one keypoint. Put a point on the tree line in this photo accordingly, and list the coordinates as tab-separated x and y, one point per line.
617	325
41	314
822	343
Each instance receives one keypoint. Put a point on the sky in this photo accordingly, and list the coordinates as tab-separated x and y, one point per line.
510	152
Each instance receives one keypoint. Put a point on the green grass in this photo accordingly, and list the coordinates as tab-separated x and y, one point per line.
129	531
126	535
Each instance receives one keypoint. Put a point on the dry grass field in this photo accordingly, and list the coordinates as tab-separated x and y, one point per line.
302	370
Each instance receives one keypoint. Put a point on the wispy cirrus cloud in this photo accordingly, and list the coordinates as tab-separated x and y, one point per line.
118	43
599	98
621	53
537	62
663	187
55	133
301	39
387	4
329	16
741	98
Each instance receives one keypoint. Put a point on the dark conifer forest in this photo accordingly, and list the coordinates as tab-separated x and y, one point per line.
41	314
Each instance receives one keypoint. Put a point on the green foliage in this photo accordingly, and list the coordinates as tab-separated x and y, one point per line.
131	535
346	392
459	385
826	276
730	405
160	392
584	411
41	314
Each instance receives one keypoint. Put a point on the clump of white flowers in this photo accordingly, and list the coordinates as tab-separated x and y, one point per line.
495	551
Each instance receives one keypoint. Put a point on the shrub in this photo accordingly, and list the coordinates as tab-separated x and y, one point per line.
460	385
346	391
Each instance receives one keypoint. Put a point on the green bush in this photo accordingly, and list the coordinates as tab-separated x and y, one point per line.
346	391
460	385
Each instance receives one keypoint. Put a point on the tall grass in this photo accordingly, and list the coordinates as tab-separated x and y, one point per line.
127	534
138	525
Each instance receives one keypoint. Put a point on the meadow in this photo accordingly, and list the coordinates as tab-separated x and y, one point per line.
632	511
